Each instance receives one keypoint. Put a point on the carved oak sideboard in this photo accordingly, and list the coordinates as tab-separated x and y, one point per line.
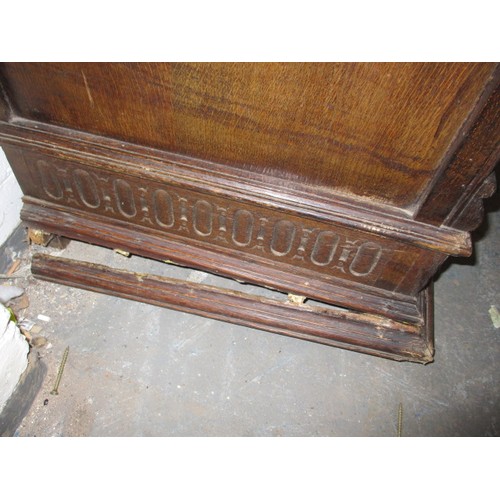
348	184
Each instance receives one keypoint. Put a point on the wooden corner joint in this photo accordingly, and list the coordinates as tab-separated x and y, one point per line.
470	215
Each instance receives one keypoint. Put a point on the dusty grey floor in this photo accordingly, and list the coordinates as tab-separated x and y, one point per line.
139	370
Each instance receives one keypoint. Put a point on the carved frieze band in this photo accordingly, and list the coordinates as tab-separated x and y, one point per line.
230	224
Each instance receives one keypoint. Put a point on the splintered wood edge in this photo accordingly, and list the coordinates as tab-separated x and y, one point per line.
365	333
96	229
160	165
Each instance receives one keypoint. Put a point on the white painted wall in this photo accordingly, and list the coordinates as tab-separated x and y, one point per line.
10	199
13	356
13	345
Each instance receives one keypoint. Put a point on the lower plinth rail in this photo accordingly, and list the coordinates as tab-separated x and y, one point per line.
362	332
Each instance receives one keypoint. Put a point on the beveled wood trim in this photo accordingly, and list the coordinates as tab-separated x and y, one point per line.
469	212
233	183
470	160
346	329
151	243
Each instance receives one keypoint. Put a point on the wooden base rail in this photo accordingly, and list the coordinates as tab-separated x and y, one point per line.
347	183
361	332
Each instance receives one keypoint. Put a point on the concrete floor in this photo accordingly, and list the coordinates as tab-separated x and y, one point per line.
139	370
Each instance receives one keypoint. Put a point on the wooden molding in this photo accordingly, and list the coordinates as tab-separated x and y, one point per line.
346	329
472	159
232	183
349	184
97	229
470	212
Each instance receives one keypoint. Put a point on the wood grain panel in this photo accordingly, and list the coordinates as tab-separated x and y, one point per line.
376	131
460	184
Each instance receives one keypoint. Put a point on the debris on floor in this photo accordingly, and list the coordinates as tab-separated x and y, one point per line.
495	316
129	361
13	268
122	252
38	342
296	299
55	390
21	303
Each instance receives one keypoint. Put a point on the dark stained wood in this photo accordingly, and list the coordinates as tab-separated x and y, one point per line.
151	164
472	162
5	107
155	244
354	331
377	131
470	216
346	183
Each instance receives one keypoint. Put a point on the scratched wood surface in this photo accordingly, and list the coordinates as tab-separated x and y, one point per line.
468	174
376	131
345	183
335	327
321	285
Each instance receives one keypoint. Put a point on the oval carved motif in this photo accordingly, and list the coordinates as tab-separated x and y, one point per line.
124	198
324	248
86	188
203	218
243	224
163	208
365	260
283	238
50	183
